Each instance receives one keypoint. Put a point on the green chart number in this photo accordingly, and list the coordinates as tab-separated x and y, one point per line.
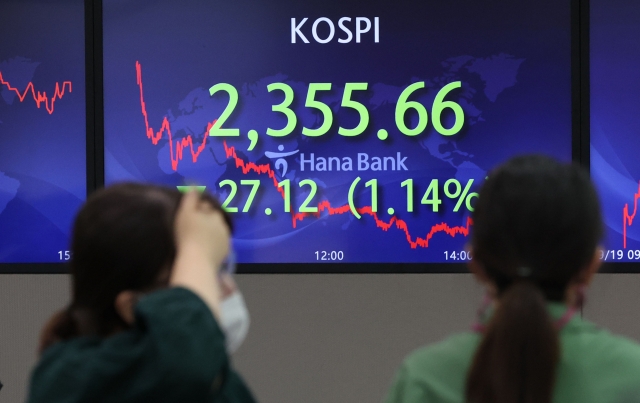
304	208
409	184
283	108
324	108
439	104
431	196
347	102
232	194
216	129
254	183
286	185
373	184
404	105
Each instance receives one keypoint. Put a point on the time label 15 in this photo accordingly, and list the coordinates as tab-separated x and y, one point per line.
64	255
312	101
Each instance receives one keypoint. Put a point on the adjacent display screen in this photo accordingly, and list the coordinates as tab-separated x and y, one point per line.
335	131
42	128
615	122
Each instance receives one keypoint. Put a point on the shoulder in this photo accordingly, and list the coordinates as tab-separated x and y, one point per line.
435	371
606	364
62	371
600	345
453	352
176	318
596	340
175	348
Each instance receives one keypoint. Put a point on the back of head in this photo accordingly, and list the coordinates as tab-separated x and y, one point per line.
536	228
123	239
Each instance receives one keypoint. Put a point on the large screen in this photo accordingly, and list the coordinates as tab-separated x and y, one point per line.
335	131
42	128
615	122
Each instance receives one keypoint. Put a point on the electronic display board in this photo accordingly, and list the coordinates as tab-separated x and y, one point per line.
615	123
335	131
42	128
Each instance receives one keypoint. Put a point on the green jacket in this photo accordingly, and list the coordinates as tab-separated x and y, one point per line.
595	367
174	353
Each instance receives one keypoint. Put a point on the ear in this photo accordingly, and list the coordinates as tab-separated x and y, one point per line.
125	305
477	270
227	285
586	276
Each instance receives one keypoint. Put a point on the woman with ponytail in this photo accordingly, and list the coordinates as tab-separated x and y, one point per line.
535	239
146	321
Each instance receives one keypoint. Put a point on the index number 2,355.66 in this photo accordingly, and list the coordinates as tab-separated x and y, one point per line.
314	90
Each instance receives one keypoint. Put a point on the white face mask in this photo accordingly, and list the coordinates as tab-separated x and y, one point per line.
234	321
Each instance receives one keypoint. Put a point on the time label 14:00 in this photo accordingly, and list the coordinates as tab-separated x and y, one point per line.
403	105
452	189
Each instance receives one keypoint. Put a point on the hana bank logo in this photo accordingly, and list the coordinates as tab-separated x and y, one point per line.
281	163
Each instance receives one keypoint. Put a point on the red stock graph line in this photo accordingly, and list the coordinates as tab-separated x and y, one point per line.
325	205
265	169
39	97
165	127
627	219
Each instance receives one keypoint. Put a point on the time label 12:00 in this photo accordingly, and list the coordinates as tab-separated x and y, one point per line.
326	255
403	105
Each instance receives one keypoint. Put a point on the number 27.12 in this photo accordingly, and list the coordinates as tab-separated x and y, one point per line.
255	184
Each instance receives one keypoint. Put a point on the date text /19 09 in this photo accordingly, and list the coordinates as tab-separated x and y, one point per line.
619	254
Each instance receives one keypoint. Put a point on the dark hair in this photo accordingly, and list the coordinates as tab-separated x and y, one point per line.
537	224
123	239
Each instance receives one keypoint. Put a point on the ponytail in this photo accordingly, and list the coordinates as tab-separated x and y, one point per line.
517	357
61	326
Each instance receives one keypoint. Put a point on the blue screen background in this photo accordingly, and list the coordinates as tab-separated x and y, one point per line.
42	155
615	121
513	61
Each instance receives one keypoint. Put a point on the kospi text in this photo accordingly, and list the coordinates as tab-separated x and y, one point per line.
361	25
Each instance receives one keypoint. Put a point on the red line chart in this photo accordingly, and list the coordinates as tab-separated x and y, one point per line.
627	219
265	169
165	127
39	97
325	205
